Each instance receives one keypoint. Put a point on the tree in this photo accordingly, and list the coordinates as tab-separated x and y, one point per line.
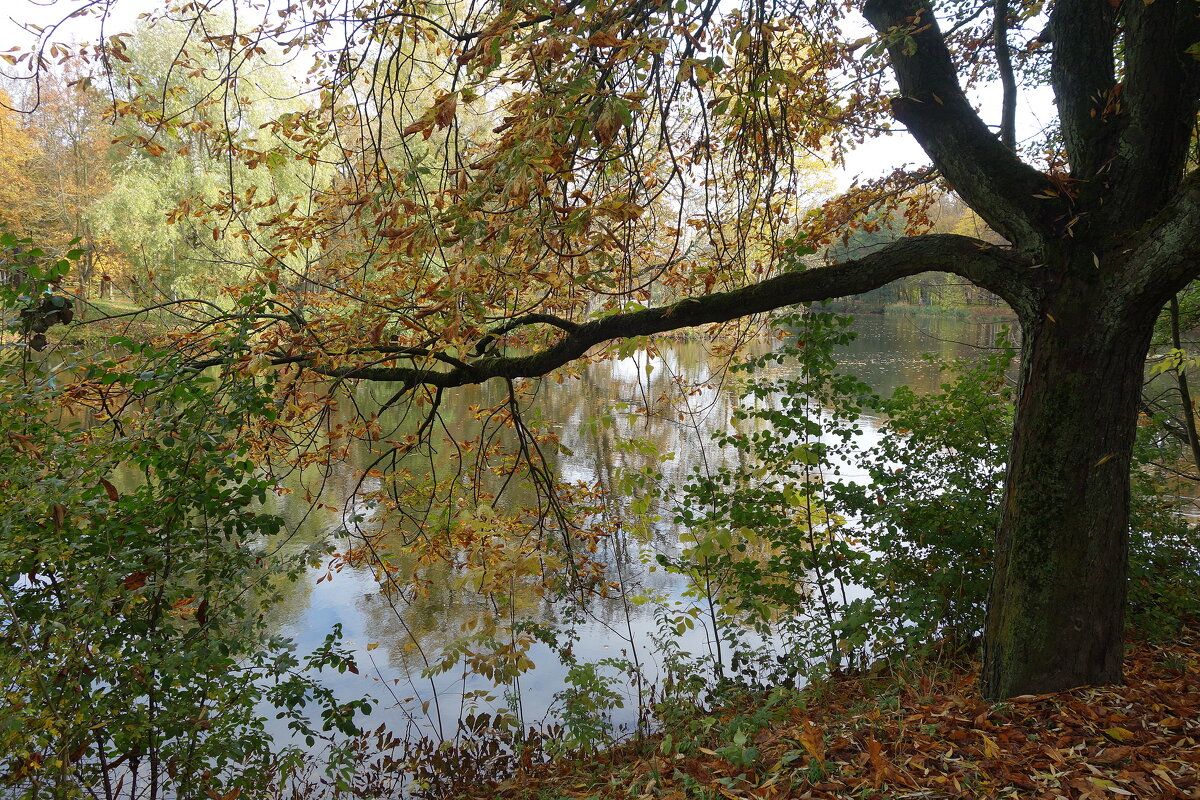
71	169
643	144
17	153
177	116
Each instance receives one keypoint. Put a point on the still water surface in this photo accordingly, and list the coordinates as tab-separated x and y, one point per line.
392	637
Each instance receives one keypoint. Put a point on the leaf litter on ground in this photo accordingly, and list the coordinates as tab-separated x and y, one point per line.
930	735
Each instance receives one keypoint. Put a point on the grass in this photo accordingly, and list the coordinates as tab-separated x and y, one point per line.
849	306
106	318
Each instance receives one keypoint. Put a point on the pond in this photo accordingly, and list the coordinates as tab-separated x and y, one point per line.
395	638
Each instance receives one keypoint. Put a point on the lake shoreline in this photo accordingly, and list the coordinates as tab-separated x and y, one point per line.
920	727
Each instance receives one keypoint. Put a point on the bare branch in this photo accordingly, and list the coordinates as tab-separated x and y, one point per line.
1008	111
520	322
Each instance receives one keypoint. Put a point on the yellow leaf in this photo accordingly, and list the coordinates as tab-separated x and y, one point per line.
1116	734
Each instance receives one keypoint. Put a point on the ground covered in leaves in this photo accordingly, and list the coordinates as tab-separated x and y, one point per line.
911	735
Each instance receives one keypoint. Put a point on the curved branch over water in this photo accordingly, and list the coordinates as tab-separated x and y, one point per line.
994	268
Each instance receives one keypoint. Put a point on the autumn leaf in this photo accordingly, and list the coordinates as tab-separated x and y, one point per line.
1119	734
608	124
21	443
424	126
1112	755
444	110
603	39
879	764
621	211
813	741
990	748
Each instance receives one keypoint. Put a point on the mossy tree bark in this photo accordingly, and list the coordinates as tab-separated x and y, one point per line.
1106	245
1056	611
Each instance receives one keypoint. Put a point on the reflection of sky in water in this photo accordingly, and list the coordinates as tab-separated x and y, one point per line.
886	355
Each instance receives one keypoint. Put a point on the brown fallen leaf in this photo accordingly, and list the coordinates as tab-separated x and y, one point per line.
1110	755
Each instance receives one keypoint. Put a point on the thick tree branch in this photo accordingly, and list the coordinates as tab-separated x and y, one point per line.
520	322
1012	197
987	265
1082	74
1158	108
1165	253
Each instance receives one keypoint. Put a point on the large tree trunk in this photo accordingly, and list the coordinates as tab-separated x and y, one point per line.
1056	612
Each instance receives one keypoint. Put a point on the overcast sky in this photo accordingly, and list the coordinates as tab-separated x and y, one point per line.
873	159
14	13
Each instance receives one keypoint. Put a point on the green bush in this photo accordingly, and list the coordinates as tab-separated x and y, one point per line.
765	555
796	569
929	512
133	577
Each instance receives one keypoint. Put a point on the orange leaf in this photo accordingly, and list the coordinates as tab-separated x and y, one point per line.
603	39
879	764
813	741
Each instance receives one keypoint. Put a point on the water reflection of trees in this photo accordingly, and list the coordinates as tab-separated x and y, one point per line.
615	419
890	349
